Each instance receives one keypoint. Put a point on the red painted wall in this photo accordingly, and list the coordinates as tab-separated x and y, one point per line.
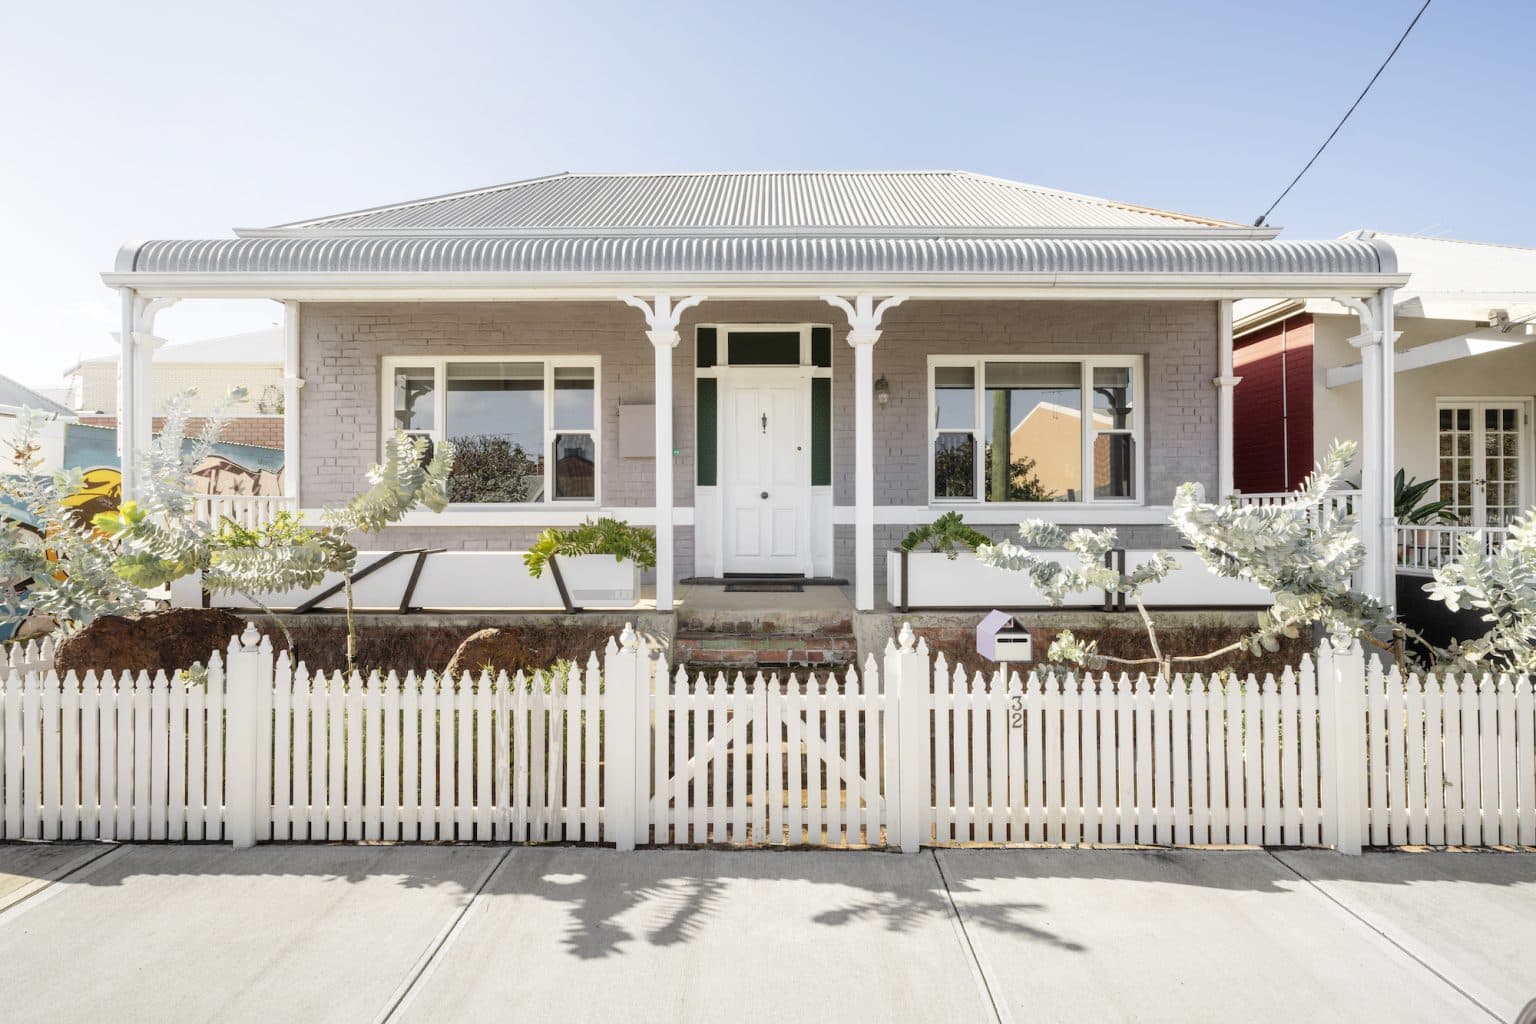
1272	428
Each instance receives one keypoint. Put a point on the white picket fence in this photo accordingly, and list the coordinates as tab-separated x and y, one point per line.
911	752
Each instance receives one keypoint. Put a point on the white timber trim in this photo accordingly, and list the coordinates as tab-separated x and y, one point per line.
1225	383
1463	346
292	384
662	316
448	287
864	316
136	369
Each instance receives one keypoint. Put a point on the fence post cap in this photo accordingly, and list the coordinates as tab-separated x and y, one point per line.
249	638
627	639
904	639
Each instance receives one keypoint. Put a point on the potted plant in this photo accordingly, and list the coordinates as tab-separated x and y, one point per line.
599	561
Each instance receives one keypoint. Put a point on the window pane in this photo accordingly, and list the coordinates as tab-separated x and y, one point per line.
1034	431
954	397
954	466
574	391
1114	466
415	402
575	466
495	417
1114	398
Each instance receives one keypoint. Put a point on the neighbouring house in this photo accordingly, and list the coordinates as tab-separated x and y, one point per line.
1464	367
699	352
212	366
248	461
14	397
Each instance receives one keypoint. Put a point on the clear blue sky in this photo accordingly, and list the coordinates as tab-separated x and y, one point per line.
130	121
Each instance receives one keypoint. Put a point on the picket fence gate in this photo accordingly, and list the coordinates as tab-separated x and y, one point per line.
625	751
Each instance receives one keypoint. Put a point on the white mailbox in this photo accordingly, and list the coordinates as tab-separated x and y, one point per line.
1001	637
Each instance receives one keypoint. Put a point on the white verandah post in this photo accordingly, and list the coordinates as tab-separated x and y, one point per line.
663	315
292	382
863	331
1225	384
135	409
1376	455
1387	531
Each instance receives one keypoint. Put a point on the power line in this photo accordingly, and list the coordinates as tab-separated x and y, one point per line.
1263	216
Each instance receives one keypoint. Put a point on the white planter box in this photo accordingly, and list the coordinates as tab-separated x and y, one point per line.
1193	585
936	581
599	581
468	581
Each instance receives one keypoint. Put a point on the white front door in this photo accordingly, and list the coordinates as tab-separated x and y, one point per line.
1483	456
767	472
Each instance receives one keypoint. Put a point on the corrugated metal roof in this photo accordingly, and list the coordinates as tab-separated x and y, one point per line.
758	255
16	395
773	200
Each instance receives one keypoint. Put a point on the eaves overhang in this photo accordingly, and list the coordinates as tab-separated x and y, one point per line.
692	254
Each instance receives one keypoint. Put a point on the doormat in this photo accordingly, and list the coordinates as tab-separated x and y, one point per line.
764	588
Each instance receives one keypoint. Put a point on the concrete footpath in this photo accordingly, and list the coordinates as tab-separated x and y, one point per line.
441	933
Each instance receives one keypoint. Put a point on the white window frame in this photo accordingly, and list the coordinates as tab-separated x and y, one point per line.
1479	508
439	367
1087	364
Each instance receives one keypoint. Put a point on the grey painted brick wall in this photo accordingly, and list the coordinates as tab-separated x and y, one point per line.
343	346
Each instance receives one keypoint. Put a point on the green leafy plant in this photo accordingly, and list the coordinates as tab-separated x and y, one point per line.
1408	503
604	536
946	535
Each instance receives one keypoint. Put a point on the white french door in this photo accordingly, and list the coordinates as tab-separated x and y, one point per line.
1484	459
766	470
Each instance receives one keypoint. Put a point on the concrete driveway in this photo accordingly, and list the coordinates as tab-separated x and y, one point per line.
363	933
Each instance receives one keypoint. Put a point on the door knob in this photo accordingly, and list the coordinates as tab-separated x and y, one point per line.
765	494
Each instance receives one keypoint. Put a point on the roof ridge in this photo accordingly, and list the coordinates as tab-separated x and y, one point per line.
1101	200
1030	188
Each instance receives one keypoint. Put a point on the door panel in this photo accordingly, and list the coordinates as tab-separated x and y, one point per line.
767	463
1482	452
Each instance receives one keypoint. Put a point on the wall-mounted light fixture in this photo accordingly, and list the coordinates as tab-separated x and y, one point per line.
882	390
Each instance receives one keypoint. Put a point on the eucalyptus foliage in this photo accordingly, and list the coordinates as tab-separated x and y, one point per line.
1306	558
160	539
56	564
1502	586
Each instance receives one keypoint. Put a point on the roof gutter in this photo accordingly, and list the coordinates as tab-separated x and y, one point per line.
450	286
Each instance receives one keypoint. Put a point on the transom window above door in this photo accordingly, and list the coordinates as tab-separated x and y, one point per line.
525	430
763	345
1022	429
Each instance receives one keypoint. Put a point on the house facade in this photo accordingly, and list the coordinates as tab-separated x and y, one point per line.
782	372
1464	368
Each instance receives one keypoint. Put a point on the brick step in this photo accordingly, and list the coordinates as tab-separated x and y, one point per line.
715	620
749	651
